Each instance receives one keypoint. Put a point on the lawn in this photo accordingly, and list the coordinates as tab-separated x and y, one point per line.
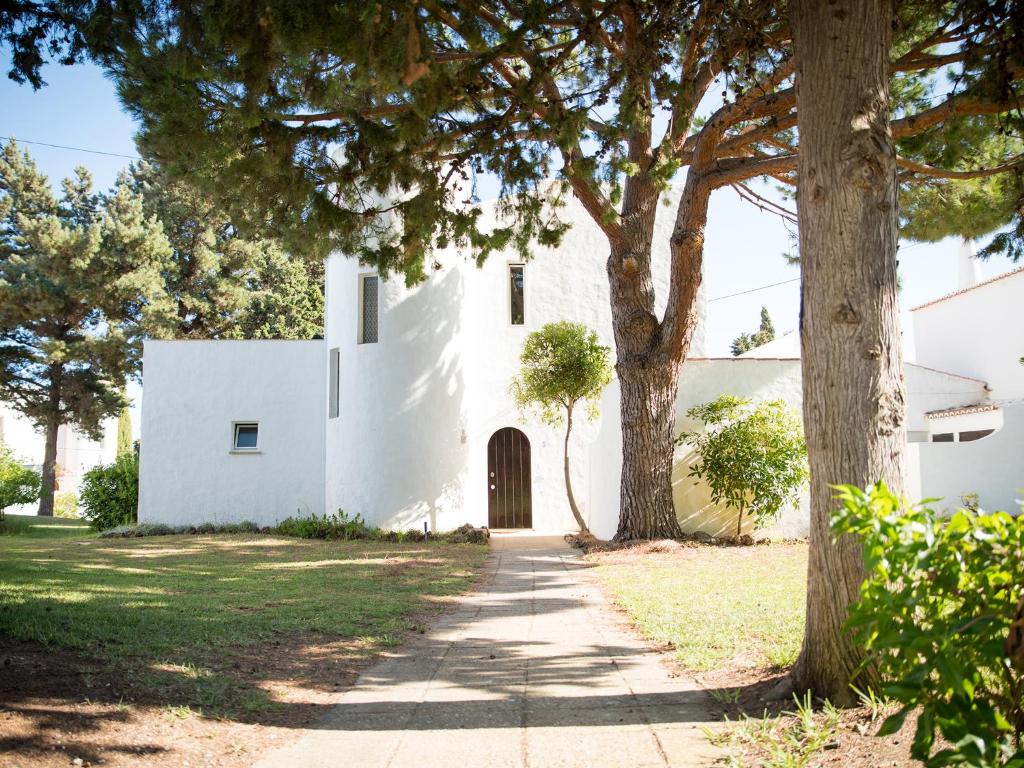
196	621
716	606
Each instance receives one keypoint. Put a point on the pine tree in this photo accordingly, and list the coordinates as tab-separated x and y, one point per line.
125	444
747	341
80	279
420	99
223	284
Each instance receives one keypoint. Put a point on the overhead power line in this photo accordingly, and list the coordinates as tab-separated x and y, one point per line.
73	149
754	290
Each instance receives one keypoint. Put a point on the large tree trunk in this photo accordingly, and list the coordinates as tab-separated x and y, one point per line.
852	363
49	473
648	375
648	415
568	479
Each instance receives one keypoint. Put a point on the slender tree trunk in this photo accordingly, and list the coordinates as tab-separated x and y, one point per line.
568	480
739	524
852	364
49	473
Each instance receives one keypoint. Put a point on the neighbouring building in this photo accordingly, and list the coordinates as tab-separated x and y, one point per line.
402	412
76	453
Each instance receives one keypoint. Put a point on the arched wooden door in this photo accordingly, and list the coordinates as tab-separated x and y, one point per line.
509	498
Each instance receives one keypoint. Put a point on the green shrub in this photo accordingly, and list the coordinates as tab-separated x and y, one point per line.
18	484
65	505
336	526
109	495
752	456
940	614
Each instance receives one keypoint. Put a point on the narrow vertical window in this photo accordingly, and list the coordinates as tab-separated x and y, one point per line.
517	303
333	385
368	309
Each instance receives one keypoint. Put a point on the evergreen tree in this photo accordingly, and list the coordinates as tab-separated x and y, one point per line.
747	341
80	279
125	444
422	98
225	285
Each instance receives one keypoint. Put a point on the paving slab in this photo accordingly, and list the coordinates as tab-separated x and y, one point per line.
533	670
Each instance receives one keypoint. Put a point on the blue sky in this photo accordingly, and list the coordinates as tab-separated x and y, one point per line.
744	246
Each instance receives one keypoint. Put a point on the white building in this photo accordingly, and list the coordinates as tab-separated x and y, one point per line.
402	413
76	453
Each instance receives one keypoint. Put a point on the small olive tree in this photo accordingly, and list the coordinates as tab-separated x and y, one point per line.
18	484
752	456
564	364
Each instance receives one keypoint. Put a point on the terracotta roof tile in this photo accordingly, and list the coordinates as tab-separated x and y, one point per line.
962	410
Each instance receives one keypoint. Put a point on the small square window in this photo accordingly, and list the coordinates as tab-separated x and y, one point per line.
246	436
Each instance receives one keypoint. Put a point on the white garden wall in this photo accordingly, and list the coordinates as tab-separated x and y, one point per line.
194	392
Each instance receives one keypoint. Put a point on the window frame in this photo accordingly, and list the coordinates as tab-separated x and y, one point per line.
235	426
361	308
508	294
333	382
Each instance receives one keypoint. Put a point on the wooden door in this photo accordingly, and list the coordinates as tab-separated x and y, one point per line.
509	500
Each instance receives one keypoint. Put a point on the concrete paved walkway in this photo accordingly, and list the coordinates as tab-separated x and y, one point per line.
533	671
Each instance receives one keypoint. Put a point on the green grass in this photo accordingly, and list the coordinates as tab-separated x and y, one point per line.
178	612
41	527
714	605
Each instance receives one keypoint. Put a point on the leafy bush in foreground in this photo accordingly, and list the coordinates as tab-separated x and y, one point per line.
109	495
941	614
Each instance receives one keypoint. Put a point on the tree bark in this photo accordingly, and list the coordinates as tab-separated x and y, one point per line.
568	480
648	375
49	473
648	414
853	401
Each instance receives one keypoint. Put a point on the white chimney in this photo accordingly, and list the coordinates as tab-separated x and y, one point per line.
968	269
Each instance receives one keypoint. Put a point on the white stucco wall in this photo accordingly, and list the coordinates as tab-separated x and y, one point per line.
992	467
194	392
758	378
977	333
419	407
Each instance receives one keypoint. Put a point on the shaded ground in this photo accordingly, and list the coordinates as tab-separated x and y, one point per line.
198	650
734	618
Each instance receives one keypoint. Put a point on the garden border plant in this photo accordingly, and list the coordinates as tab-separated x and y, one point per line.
333	527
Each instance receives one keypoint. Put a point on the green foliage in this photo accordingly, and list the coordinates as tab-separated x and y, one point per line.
109	495
747	341
18	484
563	364
336	526
939	615
65	505
223	284
791	740
752	456
125	444
80	282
